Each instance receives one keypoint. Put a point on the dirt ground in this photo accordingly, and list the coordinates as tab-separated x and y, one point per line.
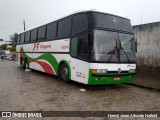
36	91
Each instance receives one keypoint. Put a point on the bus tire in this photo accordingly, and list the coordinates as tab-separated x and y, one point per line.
23	64
27	63
64	73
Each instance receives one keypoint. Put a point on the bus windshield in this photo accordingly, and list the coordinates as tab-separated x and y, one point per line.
113	47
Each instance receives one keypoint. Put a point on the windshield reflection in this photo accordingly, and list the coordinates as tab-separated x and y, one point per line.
113	47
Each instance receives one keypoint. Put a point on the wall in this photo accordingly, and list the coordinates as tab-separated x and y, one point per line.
148	45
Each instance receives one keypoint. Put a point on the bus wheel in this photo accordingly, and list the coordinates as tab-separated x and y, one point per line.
23	64
27	63
64	73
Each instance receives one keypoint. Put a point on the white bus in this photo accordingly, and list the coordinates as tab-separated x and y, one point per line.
88	47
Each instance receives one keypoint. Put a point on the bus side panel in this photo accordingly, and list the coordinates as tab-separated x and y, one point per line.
81	71
40	55
78	68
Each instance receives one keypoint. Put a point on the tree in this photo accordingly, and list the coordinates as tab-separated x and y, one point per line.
3	46
11	49
13	39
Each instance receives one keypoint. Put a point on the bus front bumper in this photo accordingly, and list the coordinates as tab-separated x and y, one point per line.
102	79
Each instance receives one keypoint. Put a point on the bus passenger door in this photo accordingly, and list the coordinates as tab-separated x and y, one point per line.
83	58
73	53
79	53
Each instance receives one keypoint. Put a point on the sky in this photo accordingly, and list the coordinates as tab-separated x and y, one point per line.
39	12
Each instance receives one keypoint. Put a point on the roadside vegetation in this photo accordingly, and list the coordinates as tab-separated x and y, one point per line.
13	39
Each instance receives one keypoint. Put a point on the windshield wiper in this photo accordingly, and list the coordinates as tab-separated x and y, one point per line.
122	49
124	52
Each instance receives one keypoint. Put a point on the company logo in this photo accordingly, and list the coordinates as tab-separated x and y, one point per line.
38	46
6	114
115	21
21	114
119	70
64	47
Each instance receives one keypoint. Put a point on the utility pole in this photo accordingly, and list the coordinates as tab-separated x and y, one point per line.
24	25
141	18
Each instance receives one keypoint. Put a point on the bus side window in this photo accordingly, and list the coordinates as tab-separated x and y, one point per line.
42	33
18	40
73	48
33	35
22	38
64	27
80	23
27	37
51	31
83	47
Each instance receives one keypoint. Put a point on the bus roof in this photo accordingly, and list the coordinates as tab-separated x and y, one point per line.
75	13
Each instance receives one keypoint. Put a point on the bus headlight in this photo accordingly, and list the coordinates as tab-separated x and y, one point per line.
104	71
99	71
132	70
94	71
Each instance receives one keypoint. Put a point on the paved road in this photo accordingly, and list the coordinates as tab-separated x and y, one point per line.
35	91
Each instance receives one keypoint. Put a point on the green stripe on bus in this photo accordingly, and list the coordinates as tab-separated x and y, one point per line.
48	57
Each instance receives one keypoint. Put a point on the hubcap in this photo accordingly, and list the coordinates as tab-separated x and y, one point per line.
65	72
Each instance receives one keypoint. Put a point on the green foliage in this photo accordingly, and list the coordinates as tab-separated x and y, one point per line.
3	46
11	49
13	39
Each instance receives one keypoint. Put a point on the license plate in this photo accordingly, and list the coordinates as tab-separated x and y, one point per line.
117	78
